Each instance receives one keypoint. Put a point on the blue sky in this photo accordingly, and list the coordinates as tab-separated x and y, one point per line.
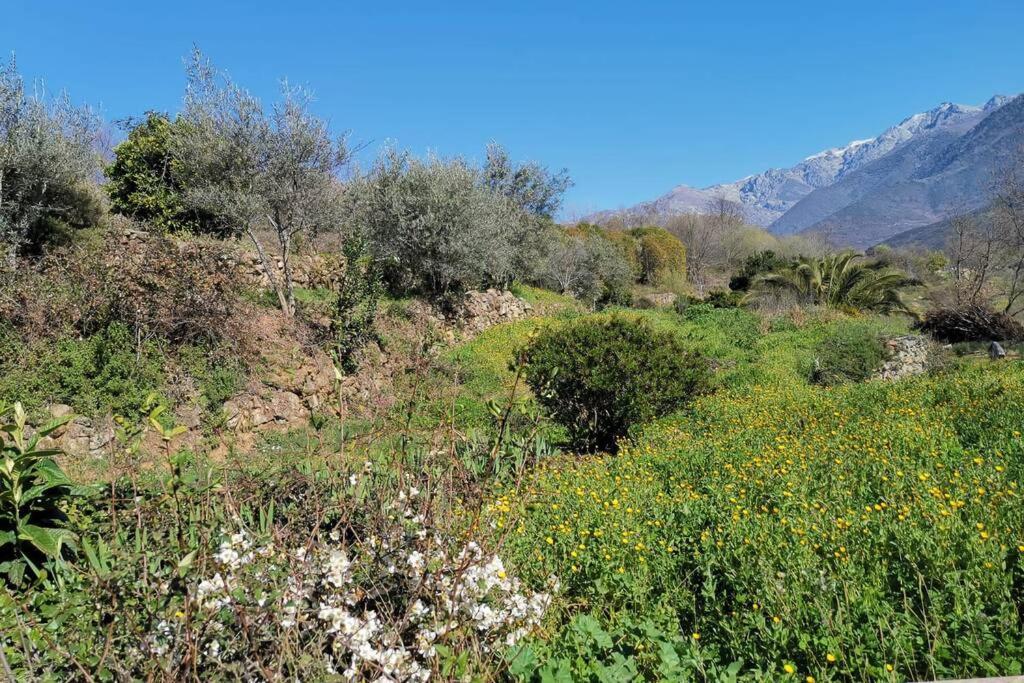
632	97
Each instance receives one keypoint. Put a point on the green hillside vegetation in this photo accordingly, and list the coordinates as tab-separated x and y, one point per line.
253	428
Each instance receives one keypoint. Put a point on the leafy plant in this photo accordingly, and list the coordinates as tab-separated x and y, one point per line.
840	280
359	293
142	183
850	353
32	488
598	376
659	254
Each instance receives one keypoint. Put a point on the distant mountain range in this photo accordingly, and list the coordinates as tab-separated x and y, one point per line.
910	177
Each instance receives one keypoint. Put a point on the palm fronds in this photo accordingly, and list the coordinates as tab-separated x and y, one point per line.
843	280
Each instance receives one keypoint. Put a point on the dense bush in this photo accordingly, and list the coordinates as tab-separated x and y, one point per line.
660	255
142	183
971	323
442	226
722	299
432	226
850	353
599	376
754	265
587	265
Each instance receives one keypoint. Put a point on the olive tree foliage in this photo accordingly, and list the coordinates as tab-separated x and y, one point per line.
440	226
532	187
48	165
432	226
537	193
255	168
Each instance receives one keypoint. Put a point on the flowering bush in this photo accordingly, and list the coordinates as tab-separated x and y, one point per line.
379	608
404	602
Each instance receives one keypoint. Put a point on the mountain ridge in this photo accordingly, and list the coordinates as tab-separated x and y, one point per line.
769	198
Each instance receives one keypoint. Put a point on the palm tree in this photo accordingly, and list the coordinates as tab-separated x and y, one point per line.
842	280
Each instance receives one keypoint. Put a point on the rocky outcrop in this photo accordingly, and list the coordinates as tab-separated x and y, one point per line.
657	300
907	356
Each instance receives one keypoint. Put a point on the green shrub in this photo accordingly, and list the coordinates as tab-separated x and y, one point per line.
359	293
722	299
754	265
32	487
142	184
851	353
598	376
659	253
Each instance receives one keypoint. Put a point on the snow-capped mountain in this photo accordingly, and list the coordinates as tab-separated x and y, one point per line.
765	198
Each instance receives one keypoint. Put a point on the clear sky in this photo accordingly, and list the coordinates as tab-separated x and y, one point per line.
632	97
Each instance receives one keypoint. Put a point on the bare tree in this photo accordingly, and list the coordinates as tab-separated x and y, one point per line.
973	244
1008	225
710	239
254	168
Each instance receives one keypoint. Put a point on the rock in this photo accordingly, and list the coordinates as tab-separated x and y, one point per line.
996	351
101	438
60	410
907	356
249	411
481	310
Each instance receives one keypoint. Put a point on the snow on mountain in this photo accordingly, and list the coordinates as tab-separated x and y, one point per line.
767	196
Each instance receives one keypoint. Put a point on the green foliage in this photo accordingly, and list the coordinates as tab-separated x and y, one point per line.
851	353
142	182
660	255
842	281
586	264
105	372
359	293
218	374
599	376
47	162
721	299
32	489
754	265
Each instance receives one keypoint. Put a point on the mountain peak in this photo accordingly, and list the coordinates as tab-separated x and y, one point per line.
764	197
996	101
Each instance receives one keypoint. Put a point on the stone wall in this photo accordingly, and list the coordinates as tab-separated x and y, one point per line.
296	379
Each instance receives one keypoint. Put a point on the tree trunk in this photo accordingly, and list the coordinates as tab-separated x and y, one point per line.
268	268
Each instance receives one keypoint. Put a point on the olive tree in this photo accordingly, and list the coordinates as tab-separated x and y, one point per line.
48	165
432	225
537	193
253	168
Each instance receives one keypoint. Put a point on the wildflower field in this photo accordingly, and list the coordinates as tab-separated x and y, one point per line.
788	532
